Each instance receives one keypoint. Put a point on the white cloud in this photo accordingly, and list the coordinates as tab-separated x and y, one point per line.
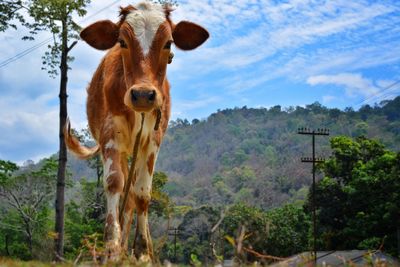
29	131
354	83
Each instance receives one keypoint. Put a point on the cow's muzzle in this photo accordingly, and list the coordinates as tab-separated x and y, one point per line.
142	99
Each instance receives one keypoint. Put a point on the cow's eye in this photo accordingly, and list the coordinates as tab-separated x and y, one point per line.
168	45
122	43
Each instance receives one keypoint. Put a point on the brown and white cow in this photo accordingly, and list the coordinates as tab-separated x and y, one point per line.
130	80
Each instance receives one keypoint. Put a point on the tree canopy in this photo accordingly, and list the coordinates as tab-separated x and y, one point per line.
358	199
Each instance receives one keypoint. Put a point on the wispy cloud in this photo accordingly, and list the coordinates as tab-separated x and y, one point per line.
353	83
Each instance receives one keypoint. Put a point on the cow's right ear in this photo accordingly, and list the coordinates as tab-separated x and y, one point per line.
101	35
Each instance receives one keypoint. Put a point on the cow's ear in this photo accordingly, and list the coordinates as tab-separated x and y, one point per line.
101	35
188	35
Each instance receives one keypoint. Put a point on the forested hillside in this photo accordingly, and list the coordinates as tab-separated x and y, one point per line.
253	155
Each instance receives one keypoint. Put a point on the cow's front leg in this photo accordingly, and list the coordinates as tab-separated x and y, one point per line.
127	215
113	185
143	246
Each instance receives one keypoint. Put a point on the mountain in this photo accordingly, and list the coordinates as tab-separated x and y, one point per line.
253	155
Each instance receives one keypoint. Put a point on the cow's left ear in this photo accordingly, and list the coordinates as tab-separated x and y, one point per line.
101	35
188	35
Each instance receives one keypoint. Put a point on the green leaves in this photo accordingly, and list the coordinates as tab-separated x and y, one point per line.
25	199
54	16
9	12
6	170
358	196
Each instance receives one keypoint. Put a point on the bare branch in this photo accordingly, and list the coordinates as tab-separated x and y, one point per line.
72	46
222	216
259	255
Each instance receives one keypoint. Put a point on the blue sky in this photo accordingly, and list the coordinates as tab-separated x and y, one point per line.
261	53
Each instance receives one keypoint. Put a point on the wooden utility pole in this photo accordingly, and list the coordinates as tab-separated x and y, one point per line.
175	233
313	160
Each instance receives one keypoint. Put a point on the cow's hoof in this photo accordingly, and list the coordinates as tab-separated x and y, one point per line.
145	258
112	251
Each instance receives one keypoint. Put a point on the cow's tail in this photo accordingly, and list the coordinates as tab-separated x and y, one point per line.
75	146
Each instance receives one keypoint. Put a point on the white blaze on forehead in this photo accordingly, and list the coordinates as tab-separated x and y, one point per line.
145	21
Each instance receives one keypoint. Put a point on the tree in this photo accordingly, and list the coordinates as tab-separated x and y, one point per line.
56	16
161	204
6	170
255	222
9	12
359	195
289	228
27	197
195	233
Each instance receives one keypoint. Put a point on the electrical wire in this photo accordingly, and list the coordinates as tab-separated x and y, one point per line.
33	48
380	94
24	53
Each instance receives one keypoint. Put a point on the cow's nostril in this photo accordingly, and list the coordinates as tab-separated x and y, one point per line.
134	95
152	95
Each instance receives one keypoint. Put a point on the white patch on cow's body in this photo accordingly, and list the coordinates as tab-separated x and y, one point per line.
107	169
111	145
112	208
145	21
112	204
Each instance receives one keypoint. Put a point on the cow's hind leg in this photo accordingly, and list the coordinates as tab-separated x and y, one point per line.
113	185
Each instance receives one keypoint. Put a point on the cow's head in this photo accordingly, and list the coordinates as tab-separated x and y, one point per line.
144	36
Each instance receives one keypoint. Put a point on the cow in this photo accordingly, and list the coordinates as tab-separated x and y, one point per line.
131	81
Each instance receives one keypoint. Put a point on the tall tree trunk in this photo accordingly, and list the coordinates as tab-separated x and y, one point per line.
62	157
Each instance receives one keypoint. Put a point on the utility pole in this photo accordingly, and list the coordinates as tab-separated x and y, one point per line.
313	160
175	233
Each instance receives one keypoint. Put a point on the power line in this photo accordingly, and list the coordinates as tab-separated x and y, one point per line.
378	94
24	53
33	48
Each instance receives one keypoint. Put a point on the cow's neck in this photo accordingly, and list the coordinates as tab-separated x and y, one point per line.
127	128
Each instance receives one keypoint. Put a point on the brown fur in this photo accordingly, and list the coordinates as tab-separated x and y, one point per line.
142	205
150	164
